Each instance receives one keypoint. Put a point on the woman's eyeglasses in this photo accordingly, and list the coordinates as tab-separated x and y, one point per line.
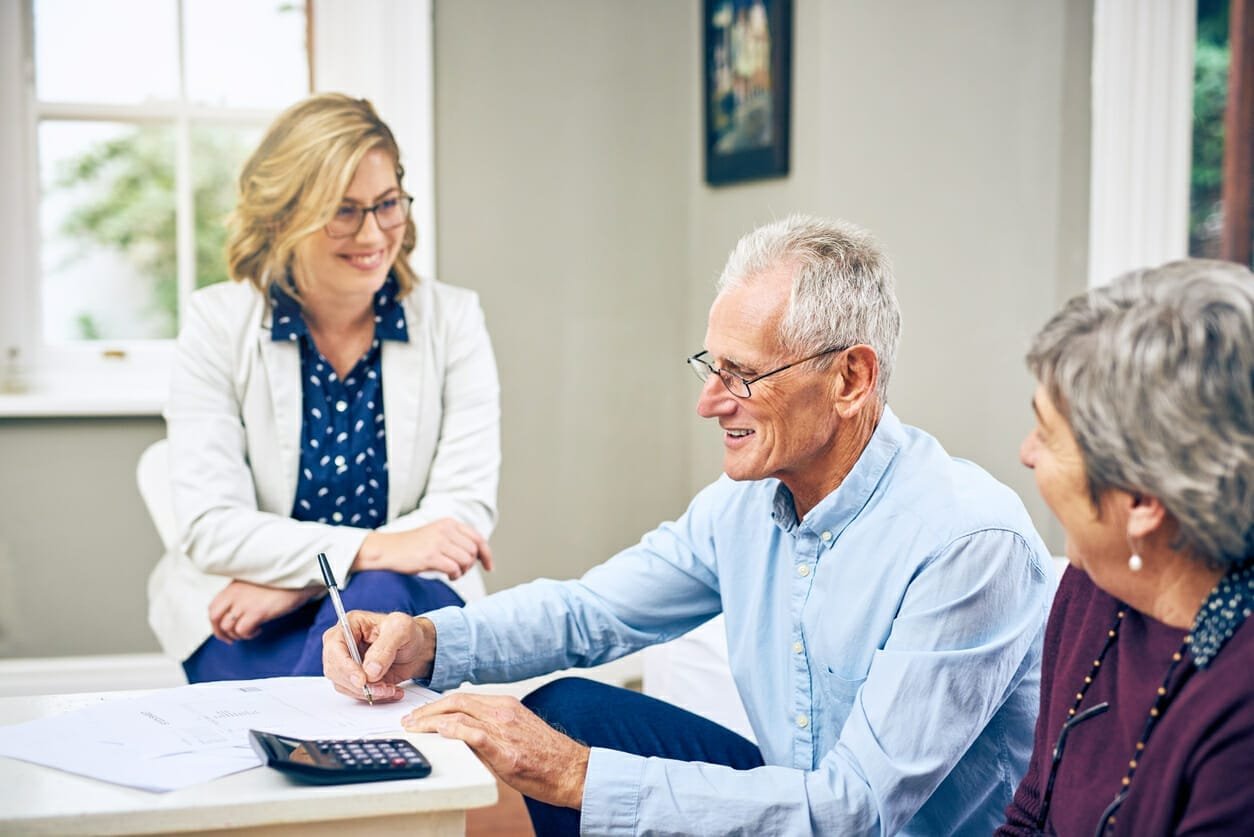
389	213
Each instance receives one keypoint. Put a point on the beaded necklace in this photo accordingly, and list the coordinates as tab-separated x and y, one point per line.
1227	606
1161	701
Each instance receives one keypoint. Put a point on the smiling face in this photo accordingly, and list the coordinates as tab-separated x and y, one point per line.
351	269
788	428
1097	540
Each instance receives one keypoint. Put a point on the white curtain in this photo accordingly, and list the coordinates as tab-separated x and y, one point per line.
1142	134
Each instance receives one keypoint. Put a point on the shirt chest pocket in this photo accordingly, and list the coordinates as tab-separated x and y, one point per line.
841	654
835	695
839	663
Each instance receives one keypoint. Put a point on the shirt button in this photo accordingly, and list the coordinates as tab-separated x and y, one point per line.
339	462
797	647
341	406
825	536
803	721
337	517
803	570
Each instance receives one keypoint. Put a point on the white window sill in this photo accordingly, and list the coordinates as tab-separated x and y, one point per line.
55	404
84	382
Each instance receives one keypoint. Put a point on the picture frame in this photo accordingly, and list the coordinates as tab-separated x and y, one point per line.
747	69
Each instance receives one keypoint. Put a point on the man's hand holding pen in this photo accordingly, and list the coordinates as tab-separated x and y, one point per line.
515	743
399	648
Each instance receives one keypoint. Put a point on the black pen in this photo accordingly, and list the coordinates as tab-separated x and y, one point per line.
334	592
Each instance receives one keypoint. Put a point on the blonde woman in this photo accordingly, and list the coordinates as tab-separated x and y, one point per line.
326	400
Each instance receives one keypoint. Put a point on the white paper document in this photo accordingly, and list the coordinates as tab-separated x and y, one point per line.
173	738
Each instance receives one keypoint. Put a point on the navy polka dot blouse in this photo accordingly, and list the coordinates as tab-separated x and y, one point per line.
343	457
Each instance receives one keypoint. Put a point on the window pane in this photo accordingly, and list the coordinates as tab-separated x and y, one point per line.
119	52
246	53
1210	97
218	153
108	231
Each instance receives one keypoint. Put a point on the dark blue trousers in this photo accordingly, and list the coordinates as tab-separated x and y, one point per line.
292	644
620	719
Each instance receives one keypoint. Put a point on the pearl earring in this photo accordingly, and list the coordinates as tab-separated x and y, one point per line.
1135	563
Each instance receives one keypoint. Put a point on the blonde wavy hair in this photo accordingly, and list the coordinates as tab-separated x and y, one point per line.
293	183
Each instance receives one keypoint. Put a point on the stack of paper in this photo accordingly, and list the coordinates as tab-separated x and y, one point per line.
173	738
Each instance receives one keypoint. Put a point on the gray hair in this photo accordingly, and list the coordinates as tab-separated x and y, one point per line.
1155	374
842	290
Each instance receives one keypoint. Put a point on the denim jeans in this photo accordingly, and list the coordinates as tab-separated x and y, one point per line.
619	719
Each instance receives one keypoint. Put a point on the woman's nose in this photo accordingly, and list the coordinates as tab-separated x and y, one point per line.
369	228
1027	451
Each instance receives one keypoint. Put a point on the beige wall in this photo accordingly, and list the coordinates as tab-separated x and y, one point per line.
562	158
570	188
76	545
959	134
569	195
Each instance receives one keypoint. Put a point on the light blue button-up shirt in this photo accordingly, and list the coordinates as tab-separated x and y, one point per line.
918	591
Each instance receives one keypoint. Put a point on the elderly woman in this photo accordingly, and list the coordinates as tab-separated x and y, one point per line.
327	400
1144	450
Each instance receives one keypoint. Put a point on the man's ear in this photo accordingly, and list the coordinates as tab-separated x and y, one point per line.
857	371
1145	515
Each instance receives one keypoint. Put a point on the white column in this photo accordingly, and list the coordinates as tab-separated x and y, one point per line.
19	173
382	51
1142	134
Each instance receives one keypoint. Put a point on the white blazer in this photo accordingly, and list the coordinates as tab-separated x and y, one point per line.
234	422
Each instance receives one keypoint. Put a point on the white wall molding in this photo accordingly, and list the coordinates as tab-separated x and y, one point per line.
96	673
1142	134
114	672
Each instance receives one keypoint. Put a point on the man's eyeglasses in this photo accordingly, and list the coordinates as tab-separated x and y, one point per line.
1048	797
388	214
736	384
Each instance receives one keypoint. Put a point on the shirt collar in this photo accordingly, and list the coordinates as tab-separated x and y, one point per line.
288	322
389	314
837	509
1227	606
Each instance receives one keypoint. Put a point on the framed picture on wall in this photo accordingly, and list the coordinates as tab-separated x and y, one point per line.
748	61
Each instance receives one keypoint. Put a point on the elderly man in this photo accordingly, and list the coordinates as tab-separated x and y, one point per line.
884	602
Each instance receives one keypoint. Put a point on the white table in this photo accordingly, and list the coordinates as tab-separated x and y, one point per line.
40	800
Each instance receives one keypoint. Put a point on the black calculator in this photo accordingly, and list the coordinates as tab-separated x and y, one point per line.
336	761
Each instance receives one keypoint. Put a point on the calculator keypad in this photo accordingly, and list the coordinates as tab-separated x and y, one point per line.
370	754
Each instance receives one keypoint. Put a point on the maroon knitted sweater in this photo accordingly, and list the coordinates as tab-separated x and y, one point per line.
1196	774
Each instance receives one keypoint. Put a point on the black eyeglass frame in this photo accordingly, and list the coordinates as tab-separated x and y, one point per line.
703	369
406	202
1047	797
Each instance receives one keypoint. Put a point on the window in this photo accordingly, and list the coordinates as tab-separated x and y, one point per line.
1169	78
138	114
1223	113
1210	89
380	50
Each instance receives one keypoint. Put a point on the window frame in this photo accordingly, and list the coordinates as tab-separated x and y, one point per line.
362	49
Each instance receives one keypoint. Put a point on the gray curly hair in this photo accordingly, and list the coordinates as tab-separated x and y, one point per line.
1155	374
842	291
